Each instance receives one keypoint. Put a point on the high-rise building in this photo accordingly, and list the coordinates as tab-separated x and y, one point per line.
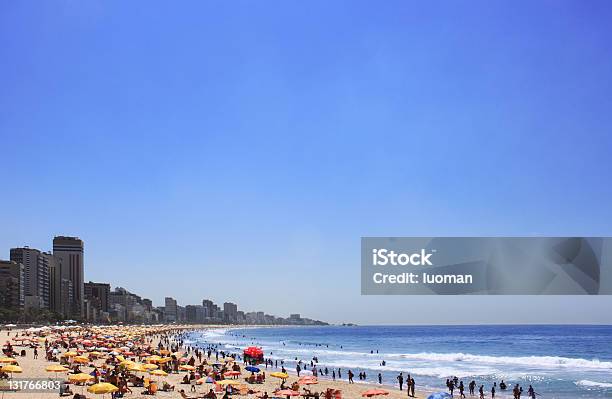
12	285
230	312
148	304
69	254
209	308
170	309
98	295
36	266
61	293
195	313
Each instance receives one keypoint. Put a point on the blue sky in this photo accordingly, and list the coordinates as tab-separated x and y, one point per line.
243	148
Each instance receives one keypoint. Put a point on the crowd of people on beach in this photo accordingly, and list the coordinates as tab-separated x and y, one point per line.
205	361
452	384
455	384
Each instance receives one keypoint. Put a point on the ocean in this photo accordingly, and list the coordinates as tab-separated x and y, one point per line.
559	361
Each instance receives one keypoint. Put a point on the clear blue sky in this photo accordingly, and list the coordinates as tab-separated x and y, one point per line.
243	148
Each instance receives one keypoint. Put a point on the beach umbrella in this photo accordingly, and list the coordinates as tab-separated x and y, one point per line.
440	395
232	373
8	360
374	392
278	374
80	359
102	388
150	366
56	368
253	351
136	367
70	354
186	367
158	373
287	392
252	369
80	377
228	382
11	368
308	381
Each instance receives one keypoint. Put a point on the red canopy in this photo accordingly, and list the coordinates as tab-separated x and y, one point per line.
253	351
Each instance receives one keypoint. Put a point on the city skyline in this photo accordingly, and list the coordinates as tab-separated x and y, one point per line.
243	151
54	281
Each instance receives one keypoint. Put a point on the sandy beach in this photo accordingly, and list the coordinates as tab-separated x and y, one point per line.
35	368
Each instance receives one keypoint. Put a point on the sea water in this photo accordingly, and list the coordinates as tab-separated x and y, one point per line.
559	361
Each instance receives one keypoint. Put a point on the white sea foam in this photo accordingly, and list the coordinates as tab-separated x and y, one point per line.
594	384
540	362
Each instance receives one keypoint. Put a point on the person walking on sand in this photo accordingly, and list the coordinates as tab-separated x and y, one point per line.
298	369
461	389
400	379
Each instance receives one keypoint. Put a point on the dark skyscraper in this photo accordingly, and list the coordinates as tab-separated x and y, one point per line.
69	254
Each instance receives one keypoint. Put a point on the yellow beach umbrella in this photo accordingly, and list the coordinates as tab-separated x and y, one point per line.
154	358
102	388
69	354
11	368
278	374
150	366
80	359
136	367
161	373
228	382
81	377
56	368
8	360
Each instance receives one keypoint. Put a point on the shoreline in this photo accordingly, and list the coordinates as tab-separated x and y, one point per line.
35	369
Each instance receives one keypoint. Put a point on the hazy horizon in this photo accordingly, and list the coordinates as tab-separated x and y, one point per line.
238	152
